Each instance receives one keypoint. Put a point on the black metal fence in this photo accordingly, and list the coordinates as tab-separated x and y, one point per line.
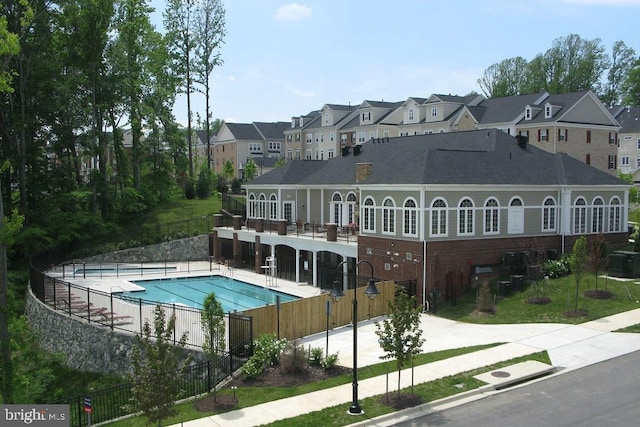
113	402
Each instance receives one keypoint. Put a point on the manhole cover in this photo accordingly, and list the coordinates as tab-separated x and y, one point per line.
500	374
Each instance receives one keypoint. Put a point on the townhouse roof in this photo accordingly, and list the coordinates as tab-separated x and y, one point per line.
244	131
628	117
503	109
479	157
272	130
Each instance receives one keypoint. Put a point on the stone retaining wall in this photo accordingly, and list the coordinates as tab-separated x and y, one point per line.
188	249
85	346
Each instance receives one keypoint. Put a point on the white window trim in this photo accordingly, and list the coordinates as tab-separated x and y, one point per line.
553	210
388	217
413	217
466	210
485	209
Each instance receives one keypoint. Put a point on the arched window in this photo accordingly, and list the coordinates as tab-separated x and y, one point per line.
439	218
410	227
580	216
273	207
597	217
465	217
252	205
262	209
352	201
549	214
336	209
388	216
615	214
491	217
516	216
369	215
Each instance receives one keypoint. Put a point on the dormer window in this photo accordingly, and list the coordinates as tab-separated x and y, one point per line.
527	113
411	115
434	111
547	111
326	118
301	121
293	122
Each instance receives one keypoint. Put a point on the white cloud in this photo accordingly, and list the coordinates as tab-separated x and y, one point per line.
293	12
305	94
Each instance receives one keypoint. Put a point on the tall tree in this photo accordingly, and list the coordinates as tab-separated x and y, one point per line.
622	59
157	368
505	78
631	87
178	23
399	334
574	64
209	31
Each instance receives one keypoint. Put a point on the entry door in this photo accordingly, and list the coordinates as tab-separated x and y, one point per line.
288	212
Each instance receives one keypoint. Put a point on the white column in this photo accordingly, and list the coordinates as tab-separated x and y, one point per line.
315	269
297	265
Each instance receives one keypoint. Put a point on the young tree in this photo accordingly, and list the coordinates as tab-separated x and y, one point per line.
212	316
157	368
227	170
578	264
400	334
597	259
250	170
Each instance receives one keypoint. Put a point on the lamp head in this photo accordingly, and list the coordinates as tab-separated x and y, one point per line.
336	293
372	290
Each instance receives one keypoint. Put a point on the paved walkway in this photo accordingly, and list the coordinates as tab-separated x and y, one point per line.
569	347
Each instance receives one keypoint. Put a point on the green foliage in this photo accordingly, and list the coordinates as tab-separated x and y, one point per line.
222	186
227	170
399	334
280	162
316	355
250	170
157	368
129	205
330	362
212	316
189	189
557	268
236	186
204	185
597	259
266	352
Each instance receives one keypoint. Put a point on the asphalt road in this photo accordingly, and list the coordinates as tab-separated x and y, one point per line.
604	394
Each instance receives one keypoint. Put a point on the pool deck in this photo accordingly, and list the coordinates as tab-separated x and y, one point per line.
112	282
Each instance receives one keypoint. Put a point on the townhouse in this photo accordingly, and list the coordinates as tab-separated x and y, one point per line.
628	140
438	212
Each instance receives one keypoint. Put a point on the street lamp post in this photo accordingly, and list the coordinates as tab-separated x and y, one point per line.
337	293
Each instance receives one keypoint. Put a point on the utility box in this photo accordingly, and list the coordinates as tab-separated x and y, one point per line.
624	264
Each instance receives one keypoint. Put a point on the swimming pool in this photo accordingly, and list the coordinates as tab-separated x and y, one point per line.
234	295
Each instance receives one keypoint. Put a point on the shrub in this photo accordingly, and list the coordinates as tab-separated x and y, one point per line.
557	268
189	189
330	361
266	352
293	359
315	356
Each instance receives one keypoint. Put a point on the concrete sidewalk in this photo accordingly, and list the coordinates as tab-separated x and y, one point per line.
569	347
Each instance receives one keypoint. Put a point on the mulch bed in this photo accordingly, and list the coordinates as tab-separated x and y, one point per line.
599	294
402	401
272	377
539	300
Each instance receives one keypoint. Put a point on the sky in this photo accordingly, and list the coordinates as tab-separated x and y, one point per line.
285	58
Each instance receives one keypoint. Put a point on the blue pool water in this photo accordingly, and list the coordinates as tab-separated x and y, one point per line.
234	295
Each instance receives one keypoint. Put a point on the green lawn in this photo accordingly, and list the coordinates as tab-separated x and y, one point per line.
251	396
561	292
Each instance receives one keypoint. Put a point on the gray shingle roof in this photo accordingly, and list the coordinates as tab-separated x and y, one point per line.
504	109
244	131
629	118
272	130
480	157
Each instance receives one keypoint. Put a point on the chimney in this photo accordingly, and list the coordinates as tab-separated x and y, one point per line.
363	171
522	141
